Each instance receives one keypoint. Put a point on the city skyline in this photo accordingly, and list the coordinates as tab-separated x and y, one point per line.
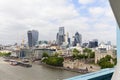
89	18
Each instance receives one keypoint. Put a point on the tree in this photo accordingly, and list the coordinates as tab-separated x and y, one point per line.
54	61
5	54
86	50
45	54
8	54
56	54
89	53
92	54
108	57
105	62
80	56
75	51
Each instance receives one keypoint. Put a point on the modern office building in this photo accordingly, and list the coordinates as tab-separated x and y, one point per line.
93	43
60	36
77	39
108	42
61	31
38	52
32	37
69	41
66	37
57	38
85	45
25	53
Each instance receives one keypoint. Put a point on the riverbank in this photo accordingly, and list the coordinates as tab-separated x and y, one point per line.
81	71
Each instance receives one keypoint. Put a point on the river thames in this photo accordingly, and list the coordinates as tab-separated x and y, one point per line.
36	72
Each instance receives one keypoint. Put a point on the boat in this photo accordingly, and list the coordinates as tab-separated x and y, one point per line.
13	63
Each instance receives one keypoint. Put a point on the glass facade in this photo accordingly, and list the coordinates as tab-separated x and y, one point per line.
32	38
77	39
60	36
93	44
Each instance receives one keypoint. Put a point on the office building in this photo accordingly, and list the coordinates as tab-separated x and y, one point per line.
57	38
32	38
93	43
77	39
69	41
60	36
85	45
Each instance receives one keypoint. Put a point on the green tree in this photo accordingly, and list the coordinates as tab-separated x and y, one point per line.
8	54
92	54
87	50
89	53
45	54
108	57
56	54
5	54
105	62
75	51
54	61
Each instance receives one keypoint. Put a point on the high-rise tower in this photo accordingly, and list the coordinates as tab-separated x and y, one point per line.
77	39
61	36
32	37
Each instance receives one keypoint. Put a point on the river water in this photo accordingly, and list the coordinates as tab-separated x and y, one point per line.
36	72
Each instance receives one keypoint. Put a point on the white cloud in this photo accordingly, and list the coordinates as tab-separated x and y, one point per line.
18	16
96	11
86	1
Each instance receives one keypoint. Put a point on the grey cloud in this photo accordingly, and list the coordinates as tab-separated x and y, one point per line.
18	16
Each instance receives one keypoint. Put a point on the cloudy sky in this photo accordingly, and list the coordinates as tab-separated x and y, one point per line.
92	18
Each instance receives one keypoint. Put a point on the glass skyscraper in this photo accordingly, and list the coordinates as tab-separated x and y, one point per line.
93	43
60	36
32	37
77	39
